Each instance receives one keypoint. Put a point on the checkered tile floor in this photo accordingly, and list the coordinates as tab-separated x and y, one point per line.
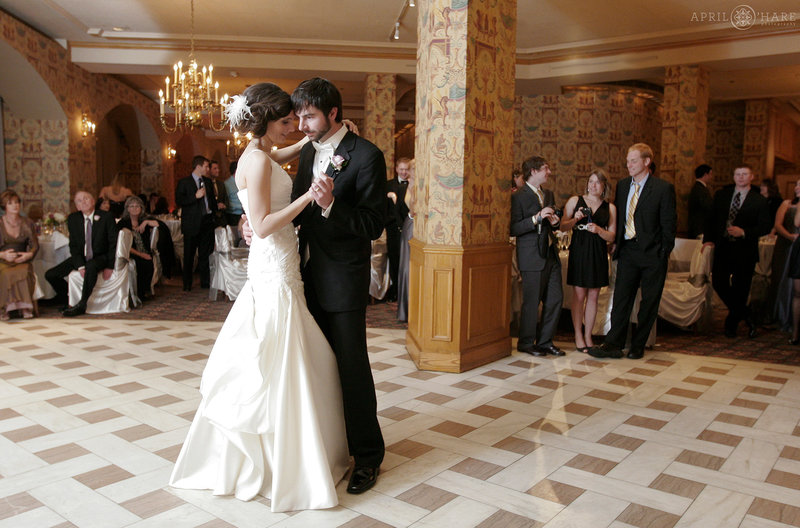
93	414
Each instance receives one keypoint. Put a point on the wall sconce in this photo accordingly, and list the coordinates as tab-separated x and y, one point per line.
87	127
235	148
171	152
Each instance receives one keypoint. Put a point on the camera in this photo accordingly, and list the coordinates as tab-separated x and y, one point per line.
587	212
558	212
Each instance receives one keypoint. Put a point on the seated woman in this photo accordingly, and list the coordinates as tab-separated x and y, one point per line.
142	227
18	246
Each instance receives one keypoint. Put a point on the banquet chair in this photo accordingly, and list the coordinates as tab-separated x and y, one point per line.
158	272
688	294
228	265
379	273
118	293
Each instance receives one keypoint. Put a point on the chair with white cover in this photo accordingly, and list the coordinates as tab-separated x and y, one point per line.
157	269
118	292
379	268
228	265
687	294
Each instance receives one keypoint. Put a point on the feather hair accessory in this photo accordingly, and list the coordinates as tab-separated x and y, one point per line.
237	111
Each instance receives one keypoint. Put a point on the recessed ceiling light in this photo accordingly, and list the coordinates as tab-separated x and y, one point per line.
120	28
234	73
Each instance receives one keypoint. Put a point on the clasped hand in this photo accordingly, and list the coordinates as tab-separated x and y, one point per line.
321	191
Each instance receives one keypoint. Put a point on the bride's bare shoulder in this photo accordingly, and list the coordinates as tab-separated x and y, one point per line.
257	166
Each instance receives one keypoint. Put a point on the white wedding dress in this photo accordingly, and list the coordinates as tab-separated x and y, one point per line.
271	421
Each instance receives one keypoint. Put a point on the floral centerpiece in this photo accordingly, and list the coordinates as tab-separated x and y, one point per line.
53	221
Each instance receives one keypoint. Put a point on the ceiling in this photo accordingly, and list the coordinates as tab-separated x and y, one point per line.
559	42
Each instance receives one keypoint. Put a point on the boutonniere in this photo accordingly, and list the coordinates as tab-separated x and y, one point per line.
338	162
96	218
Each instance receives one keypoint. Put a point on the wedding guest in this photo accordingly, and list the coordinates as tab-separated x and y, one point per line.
152	200
92	243
397	213
103	205
700	201
406	233
793	267
161	207
220	191
769	190
517	180
116	193
234	212
195	196
18	246
645	236
739	218
779	295
142	226
593	223
533	219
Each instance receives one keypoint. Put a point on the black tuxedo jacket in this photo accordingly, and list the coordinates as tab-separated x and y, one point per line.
340	246
532	240
700	204
191	207
104	238
753	217
398	212
655	217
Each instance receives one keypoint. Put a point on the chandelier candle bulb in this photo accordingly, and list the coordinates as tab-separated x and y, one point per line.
210	73
216	90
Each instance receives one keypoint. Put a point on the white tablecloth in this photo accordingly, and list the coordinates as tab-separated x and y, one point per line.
53	250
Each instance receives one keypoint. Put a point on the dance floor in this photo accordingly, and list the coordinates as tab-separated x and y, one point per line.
93	413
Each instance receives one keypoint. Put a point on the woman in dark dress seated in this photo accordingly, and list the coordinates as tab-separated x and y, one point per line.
142	226
592	221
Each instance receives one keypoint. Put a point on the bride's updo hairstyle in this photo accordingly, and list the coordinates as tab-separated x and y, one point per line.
256	107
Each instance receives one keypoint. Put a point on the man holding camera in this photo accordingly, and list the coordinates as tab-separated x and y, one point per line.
533	219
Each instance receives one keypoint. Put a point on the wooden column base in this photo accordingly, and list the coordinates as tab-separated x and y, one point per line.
459	306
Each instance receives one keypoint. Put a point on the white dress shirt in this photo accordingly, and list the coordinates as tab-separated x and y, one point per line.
322	158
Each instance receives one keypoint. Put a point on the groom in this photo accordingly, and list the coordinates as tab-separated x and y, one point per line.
347	177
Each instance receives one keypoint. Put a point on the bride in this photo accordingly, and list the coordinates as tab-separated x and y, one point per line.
270	421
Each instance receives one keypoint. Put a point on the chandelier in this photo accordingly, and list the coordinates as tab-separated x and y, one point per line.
236	147
188	95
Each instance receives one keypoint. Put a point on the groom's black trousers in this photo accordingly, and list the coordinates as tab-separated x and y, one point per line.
347	334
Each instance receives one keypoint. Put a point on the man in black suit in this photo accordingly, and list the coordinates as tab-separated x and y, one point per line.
740	215
646	225
347	176
533	219
700	201
398	212
195	196
220	192
99	229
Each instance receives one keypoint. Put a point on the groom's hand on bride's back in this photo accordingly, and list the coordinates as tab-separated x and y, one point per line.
247	231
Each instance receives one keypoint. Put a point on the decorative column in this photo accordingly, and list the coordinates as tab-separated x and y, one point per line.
757	145
379	114
459	309
683	135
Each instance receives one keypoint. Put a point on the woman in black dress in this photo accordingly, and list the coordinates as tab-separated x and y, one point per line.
592	221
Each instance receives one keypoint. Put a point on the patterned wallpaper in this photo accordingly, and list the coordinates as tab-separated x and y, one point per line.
581	130
683	140
725	140
756	136
379	115
37	157
78	91
463	147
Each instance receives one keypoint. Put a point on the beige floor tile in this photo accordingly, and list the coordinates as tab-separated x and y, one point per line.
715	507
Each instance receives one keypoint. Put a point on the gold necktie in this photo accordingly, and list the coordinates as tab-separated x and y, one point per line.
630	228
539	195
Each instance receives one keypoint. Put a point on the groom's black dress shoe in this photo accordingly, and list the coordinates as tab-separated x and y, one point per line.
362	479
532	350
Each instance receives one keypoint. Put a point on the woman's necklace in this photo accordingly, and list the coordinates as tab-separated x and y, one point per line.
7	220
